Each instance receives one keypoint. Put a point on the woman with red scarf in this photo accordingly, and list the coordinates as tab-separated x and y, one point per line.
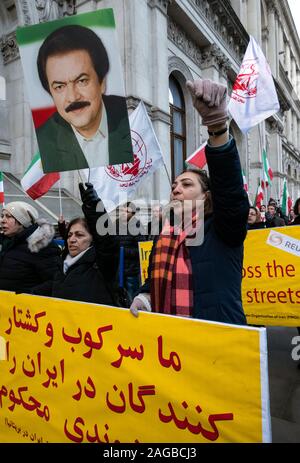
201	277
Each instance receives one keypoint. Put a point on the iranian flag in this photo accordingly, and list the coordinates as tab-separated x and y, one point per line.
198	158
286	201
34	182
259	196
1	189
245	181
267	171
30	39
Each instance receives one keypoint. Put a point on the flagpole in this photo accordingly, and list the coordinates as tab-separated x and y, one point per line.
79	174
167	173
59	195
261	145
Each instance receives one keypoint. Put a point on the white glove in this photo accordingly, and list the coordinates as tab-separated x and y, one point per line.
140	302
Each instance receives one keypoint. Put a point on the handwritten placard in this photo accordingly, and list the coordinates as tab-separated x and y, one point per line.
76	372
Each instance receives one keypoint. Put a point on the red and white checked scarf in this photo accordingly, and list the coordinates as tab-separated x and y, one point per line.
171	274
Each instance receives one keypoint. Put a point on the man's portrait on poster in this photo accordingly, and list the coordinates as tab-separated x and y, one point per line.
89	128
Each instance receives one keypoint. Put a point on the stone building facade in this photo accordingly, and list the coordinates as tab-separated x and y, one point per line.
163	43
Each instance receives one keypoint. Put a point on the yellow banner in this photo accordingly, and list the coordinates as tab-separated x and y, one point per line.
271	276
76	372
144	253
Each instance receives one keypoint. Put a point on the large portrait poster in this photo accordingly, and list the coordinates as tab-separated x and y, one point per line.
74	80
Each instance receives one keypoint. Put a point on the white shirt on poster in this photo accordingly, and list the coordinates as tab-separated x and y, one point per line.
95	149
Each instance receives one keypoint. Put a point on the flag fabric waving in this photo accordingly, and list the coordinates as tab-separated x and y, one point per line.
1	189
267	171
254	97
116	184
198	158
245	181
286	201
35	182
259	196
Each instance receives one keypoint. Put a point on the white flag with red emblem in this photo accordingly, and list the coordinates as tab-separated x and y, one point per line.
117	183
254	97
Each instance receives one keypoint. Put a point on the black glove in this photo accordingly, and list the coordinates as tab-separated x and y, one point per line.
89	195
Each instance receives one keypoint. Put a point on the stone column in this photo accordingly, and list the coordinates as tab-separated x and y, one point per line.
159	78
272	46
293	73
288	59
295	130
212	57
254	19
298	83
289	125
275	157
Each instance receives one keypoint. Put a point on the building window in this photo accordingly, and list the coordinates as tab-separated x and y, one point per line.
178	128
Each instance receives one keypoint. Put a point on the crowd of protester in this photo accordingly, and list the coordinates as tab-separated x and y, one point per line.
202	280
272	216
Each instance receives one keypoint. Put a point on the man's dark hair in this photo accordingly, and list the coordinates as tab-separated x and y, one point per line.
71	38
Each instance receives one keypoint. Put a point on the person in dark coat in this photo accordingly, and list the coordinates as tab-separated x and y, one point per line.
89	263
272	217
203	280
296	210
254	219
129	232
28	256
154	226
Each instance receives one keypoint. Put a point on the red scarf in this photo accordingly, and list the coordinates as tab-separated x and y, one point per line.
171	275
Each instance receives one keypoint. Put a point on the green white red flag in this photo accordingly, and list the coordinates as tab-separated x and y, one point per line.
198	158
259	196
286	200
34	182
245	181
267	171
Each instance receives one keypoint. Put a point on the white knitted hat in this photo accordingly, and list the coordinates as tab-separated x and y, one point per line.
22	212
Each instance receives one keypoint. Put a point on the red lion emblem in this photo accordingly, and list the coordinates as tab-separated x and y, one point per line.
131	170
246	82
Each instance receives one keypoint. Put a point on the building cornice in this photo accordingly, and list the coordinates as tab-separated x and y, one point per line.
162	5
181	39
221	18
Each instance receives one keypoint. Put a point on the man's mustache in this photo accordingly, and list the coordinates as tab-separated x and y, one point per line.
77	105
